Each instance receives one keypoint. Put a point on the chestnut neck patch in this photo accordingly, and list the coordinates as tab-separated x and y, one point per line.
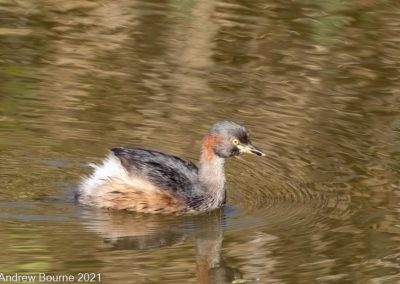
208	146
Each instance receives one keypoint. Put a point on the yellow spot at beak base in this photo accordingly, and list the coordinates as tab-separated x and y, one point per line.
250	149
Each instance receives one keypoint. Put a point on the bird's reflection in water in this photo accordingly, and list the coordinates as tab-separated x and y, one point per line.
209	235
131	231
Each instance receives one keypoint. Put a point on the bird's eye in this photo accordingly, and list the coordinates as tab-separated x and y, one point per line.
235	141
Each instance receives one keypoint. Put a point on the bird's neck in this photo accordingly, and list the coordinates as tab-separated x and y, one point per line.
212	177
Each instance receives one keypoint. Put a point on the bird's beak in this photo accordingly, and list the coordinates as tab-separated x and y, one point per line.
250	149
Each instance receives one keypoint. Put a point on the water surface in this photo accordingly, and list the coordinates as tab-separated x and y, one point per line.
316	82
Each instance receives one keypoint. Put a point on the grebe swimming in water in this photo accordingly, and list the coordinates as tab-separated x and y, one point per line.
148	181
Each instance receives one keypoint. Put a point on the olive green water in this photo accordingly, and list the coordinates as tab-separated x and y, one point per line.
316	82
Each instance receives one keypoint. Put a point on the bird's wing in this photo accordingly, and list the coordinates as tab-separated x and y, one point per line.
165	171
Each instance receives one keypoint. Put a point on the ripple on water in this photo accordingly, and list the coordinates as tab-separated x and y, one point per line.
272	199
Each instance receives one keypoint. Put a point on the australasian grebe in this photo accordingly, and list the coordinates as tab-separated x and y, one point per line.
148	181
